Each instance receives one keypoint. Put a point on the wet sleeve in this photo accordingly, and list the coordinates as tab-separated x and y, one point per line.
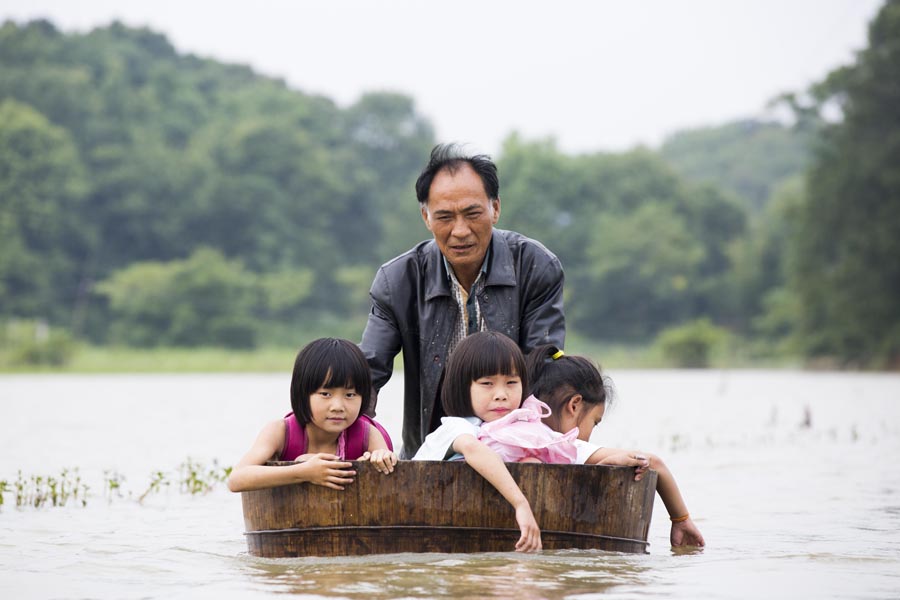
381	339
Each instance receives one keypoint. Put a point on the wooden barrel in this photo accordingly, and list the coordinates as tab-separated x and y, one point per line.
426	506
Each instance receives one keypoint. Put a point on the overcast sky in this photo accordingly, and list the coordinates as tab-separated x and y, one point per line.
595	74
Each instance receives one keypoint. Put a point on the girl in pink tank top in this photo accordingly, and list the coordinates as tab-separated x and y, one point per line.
331	388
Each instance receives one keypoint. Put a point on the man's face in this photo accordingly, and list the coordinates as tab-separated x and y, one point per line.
462	218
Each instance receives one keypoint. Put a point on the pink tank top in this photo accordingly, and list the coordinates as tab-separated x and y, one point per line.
352	443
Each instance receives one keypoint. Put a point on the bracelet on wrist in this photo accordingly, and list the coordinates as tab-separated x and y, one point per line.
681	519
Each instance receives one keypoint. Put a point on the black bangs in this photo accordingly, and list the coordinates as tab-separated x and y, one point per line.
479	355
344	372
328	362
495	359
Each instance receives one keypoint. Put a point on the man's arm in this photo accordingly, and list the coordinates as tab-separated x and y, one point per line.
381	339
543	320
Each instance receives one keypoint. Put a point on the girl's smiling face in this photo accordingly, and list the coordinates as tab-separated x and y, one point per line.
495	396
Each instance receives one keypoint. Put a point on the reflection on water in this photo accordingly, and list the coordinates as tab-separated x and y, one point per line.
552	574
791	477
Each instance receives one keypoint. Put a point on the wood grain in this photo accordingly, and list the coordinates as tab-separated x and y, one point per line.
426	506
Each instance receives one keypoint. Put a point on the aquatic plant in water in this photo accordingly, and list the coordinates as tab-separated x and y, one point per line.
41	490
158	480
195	478
112	481
38	491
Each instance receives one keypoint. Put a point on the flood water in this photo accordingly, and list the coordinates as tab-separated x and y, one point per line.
792	477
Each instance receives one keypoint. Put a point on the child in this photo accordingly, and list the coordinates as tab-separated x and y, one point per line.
331	386
577	393
485	380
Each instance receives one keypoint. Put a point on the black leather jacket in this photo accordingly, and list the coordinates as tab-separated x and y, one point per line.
413	311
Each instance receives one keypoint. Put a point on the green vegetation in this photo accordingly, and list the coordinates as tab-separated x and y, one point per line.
47	490
67	488
123	359
158	209
152	198
183	303
846	273
196	478
642	249
691	345
26	344
748	158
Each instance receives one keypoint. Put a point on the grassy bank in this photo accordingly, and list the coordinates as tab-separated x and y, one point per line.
650	356
111	359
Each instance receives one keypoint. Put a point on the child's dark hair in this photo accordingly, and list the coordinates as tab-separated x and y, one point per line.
556	377
481	354
328	362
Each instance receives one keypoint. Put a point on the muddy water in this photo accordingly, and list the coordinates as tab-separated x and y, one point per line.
791	476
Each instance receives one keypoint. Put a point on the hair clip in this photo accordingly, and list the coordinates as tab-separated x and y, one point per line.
556	355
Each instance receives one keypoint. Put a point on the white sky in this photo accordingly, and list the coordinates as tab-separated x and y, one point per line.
594	74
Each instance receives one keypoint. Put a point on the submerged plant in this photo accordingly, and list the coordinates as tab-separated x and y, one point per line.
197	479
112	484
40	490
158	479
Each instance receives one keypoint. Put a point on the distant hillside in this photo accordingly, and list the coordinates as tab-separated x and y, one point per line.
117	149
749	158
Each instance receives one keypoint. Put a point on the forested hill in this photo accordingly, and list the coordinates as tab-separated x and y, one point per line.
750	158
119	149
148	197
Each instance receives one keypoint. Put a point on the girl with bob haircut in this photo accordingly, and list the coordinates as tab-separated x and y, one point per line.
331	387
486	422
577	394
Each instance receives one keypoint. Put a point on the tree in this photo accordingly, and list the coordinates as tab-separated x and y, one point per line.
761	260
390	142
203	300
640	269
642	248
847	272
44	236
178	153
749	158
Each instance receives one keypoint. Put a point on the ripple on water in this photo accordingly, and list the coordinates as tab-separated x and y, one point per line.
786	512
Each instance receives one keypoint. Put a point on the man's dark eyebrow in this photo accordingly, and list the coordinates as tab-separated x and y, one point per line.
470	208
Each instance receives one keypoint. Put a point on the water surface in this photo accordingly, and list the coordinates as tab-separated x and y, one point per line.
792	478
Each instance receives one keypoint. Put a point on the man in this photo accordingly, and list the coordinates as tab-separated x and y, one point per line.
469	278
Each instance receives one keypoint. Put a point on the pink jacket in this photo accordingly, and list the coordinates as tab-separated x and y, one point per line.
521	434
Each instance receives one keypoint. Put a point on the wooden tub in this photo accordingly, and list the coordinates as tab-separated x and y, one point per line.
426	506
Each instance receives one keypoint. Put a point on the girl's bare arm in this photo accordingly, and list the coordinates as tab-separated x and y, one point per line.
490	466
378	453
251	472
684	532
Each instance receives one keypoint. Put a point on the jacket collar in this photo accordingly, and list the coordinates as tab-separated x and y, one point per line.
500	269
